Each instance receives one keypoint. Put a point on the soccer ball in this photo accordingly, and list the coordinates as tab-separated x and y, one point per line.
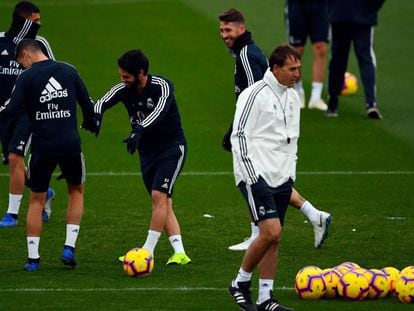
346	266
309	283
138	262
353	286
331	278
378	284
404	288
407	270
350	85
392	276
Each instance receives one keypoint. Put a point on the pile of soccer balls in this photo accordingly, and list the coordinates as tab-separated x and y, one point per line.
138	262
352	282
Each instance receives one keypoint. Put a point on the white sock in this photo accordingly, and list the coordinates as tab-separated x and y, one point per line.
242	276
72	232
152	240
33	247
255	230
299	87
265	286
177	243
310	211
14	203
316	91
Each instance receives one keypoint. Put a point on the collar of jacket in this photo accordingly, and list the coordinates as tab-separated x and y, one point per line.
22	28
241	41
271	80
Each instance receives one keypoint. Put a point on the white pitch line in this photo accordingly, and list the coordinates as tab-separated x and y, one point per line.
126	289
227	173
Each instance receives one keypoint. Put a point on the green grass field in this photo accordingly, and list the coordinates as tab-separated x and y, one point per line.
360	170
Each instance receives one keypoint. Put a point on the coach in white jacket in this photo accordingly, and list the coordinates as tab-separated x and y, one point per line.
264	145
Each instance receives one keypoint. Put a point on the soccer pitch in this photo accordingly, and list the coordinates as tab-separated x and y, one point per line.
360	170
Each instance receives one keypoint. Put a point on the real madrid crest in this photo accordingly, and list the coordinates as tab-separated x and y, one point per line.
150	103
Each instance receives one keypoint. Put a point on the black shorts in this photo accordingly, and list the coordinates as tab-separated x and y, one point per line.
161	169
266	202
307	18
41	167
15	136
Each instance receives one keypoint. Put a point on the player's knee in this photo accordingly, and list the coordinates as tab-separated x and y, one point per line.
15	159
271	236
158	198
320	49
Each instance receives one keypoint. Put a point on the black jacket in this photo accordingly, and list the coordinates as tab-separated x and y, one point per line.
354	11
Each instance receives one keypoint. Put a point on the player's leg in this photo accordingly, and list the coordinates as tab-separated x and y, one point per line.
296	20
364	50
269	263
172	228
239	288
73	169
40	172
318	32
242	246
16	140
341	44
169	169
318	75
320	220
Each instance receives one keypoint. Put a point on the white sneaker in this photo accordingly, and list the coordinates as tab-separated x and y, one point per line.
321	228
243	245
318	104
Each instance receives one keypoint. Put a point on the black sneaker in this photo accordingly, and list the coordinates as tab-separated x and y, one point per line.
330	113
374	113
272	305
241	296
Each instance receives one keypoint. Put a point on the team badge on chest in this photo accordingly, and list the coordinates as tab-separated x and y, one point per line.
150	103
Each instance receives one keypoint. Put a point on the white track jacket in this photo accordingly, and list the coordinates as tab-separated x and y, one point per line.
266	132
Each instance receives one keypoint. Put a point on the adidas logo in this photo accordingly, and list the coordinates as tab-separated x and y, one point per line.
165	186
32	242
53	89
5	53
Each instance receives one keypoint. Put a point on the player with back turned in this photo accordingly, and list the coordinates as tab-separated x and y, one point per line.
44	98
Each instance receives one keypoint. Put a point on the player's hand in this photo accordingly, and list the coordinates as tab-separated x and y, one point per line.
226	143
132	141
93	125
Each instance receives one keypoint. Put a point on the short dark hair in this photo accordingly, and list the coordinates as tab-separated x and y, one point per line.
281	53
133	61
231	15
25	9
27	44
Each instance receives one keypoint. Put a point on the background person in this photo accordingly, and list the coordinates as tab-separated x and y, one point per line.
309	19
25	24
353	22
250	66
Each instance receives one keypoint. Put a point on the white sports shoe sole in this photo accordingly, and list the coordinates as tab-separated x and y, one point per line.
243	245
321	228
318	104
